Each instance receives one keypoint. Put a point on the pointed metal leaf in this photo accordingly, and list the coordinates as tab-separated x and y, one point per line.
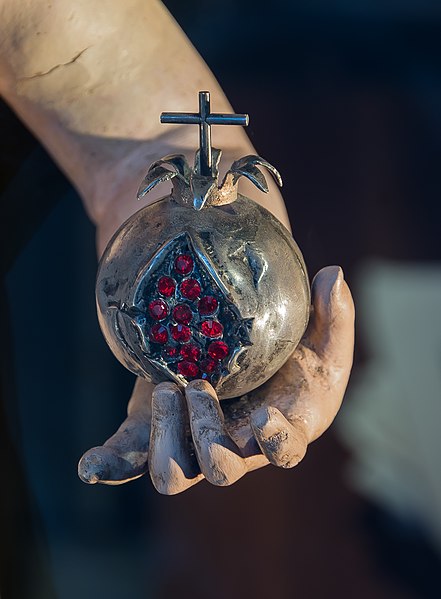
157	175
252	173
201	188
251	159
177	161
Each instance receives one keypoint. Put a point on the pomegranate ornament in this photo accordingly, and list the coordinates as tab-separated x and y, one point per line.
204	283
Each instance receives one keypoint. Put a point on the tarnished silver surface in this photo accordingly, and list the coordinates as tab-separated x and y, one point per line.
256	261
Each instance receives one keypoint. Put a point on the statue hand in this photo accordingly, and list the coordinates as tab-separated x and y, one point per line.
184	437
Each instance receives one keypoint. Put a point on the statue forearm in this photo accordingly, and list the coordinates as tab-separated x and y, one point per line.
91	78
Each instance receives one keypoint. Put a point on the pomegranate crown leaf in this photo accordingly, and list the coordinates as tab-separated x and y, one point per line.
159	174
246	167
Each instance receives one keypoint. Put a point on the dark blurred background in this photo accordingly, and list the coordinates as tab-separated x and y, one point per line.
344	99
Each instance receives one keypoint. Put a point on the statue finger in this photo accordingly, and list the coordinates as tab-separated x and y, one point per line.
281	442
331	337
218	456
172	464
123	457
331	328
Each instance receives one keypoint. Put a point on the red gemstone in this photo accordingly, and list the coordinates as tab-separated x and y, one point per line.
218	350
208	365
190	289
190	352
188	369
180	332
207	305
212	328
169	351
184	264
158	333
182	314
158	309
166	286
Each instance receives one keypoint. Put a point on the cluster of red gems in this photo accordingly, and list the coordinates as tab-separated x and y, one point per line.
177	324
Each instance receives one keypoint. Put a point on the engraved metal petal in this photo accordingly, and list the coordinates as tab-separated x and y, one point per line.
155	176
252	173
177	161
251	159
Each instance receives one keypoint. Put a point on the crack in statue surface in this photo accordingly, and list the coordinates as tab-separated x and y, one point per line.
56	67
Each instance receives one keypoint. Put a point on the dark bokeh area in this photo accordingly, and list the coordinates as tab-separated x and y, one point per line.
344	99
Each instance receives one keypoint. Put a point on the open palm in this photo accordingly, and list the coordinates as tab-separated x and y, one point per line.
182	437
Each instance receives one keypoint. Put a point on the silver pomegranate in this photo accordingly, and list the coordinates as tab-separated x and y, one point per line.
204	283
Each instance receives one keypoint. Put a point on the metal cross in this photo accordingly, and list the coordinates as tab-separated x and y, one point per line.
204	119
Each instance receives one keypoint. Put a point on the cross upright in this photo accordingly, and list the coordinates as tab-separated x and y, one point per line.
204	118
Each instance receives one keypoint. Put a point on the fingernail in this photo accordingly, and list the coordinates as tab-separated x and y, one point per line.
91	468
